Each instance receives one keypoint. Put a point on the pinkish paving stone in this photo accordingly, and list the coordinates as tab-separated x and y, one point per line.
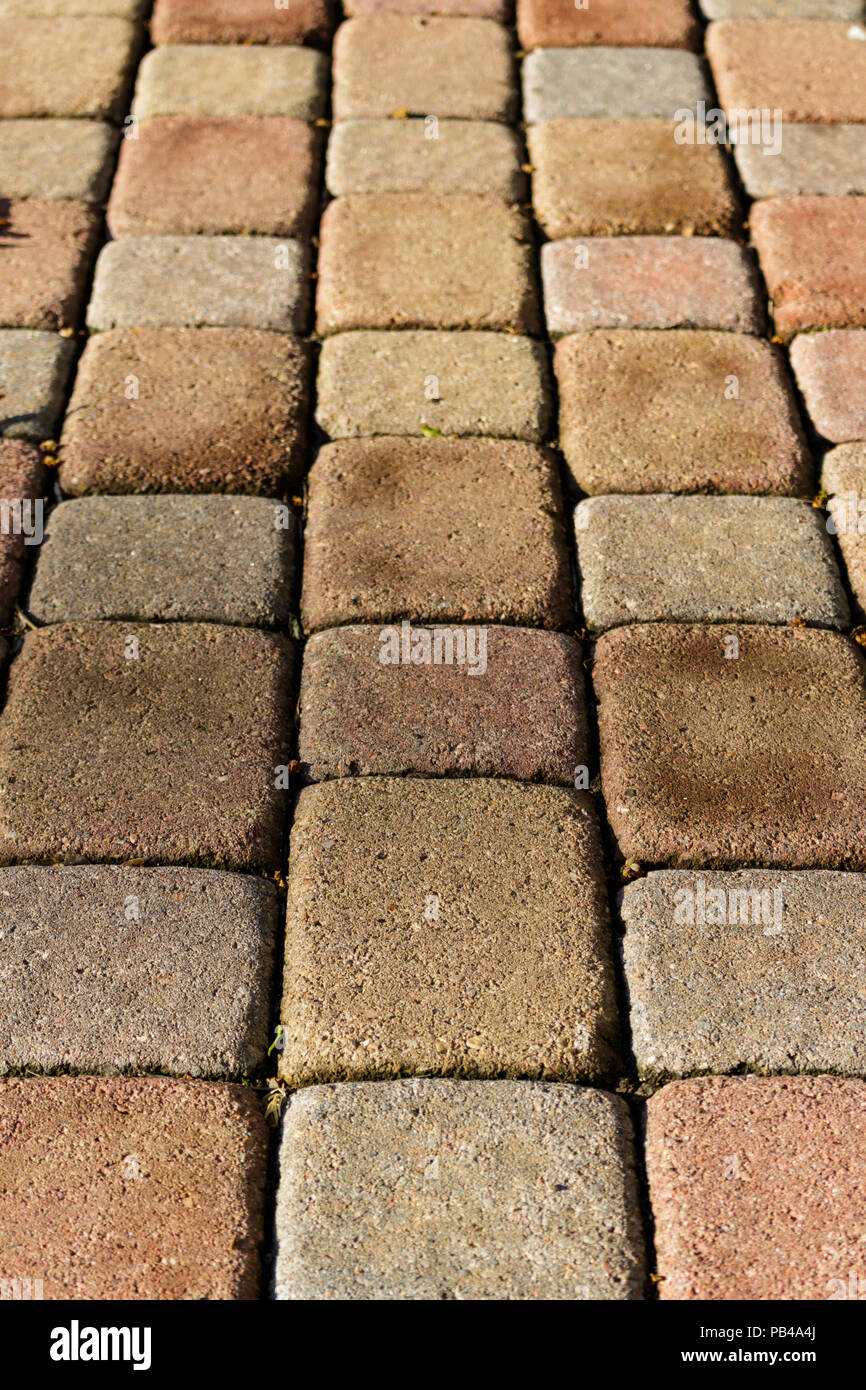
831	373
844	478
242	21
501	10
63	65
631	23
758	1187
649	282
808	70
47	249
22	483
813	256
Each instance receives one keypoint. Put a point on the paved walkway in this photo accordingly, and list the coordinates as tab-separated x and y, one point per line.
456	457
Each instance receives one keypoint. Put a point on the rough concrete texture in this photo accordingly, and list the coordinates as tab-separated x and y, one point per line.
137	1189
510	703
391	64
418	156
706	560
98	960
188	175
758	1186
435	530
831	373
34	370
56	159
753	970
64	65
624	177
782	9
232	80
55	9
493	384
652	23
813	257
650	282
242	21
432	1189
217	410
682	411
615	82
844	477
22	480
827	159
404	260
727	745
155	743
199	281
809	70
190	559
48	249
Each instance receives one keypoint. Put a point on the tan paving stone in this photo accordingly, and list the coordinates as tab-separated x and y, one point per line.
426	156
68	159
62	65
232	80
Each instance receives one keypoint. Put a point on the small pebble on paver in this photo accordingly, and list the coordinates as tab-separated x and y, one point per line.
187	410
186	176
807	70
34	370
404	260
615	82
813	257
651	23
97	963
494	384
60	65
242	21
831	373
426	156
393	65
435	530
716	414
650	282
732	744
190	559
198	281
22	483
48	249
156	743
844	477
232	80
490	701
756	969
436	1189
624	177
758	1187
826	159
132	1188
706	560
56	159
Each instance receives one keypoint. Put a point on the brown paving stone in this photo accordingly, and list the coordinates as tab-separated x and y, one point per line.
218	410
242	21
126	1188
405	260
62	65
810	70
189	175
646	23
758	1186
510	703
813	257
689	434
167	756
723	752
442	967
844	477
22	480
435	530
831	373
46	251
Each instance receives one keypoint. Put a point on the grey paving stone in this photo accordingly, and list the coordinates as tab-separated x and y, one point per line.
844	477
618	82
706	559
471	383
56	159
201	281
430	1189
826	159
232	80
67	66
191	559
782	9
97	963
415	156
34	371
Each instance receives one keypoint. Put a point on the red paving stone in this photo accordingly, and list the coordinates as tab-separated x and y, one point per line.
47	248
809	70
242	21
632	23
813	258
22	482
831	373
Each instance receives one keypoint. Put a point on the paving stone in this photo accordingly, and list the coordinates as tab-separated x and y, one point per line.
34	369
200	281
652	23
691	433
408	528
808	70
217	410
707	560
782	9
242	21
831	373
418	156
48	250
650	282
844	476
403	260
753	970
478	9
60	65
508	703
813	257
191	559
167	756
97	962
57	9
392	64
493	384
620	177
435	1189
228	80
56	159
188	175
731	745
828	159
22	481
132	1188
758	1186
616	82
